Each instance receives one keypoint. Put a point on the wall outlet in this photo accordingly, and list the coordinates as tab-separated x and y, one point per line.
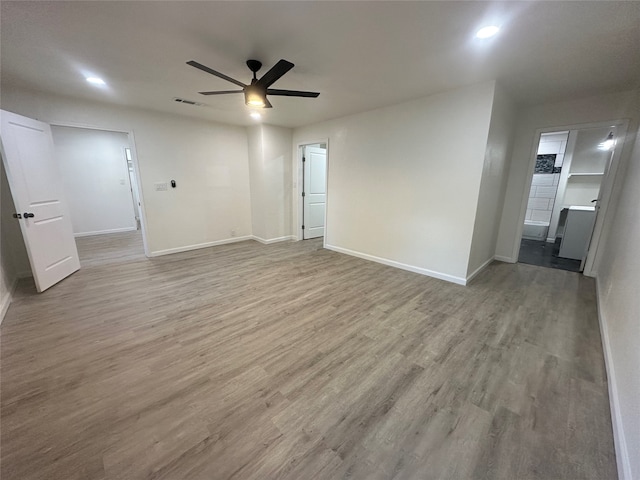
161	187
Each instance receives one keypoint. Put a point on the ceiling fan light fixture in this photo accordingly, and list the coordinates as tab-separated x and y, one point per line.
255	102
255	96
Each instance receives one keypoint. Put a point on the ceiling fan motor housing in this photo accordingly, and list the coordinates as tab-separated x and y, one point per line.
254	66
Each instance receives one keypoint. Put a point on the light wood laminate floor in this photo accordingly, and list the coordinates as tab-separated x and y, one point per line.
121	247
250	361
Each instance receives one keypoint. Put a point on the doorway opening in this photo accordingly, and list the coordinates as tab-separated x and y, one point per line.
100	183
570	185
313	200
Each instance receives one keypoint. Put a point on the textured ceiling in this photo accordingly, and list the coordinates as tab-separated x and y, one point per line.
359	55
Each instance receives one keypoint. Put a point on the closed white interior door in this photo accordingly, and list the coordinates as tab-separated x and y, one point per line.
36	187
315	194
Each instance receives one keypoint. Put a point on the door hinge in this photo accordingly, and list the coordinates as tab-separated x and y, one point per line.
303	194
304	159
303	227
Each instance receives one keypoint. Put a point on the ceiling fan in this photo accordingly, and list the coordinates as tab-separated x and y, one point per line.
255	94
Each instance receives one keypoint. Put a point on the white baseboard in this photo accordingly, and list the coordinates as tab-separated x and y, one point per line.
478	270
103	232
502	258
620	443
169	251
273	240
403	266
6	301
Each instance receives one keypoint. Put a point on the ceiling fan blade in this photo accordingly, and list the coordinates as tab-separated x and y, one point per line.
292	93
267	103
204	68
278	70
221	92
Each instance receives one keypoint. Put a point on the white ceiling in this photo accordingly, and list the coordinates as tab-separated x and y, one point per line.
359	55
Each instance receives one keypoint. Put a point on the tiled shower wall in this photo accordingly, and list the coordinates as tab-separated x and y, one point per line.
544	185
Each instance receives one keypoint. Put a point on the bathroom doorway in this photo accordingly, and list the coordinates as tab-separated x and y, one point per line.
312	170
565	196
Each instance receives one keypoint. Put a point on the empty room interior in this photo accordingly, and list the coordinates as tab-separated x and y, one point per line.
320	240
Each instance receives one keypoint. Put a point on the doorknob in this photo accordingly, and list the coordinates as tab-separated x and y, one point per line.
28	215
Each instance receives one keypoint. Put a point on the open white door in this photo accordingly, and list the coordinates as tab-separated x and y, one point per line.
315	191
36	187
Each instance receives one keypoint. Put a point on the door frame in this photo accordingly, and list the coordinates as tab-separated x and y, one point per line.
134	159
606	186
298	203
135	194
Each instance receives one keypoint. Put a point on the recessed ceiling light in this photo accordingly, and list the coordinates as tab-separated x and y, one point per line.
96	81
255	115
486	32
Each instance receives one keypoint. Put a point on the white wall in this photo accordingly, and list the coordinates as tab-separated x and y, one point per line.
256	156
96	179
580	190
8	274
209	162
403	181
623	105
7	281
493	184
14	262
619	304
270	164
587	157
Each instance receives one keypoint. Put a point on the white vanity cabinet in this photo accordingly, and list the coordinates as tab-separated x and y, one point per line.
577	232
